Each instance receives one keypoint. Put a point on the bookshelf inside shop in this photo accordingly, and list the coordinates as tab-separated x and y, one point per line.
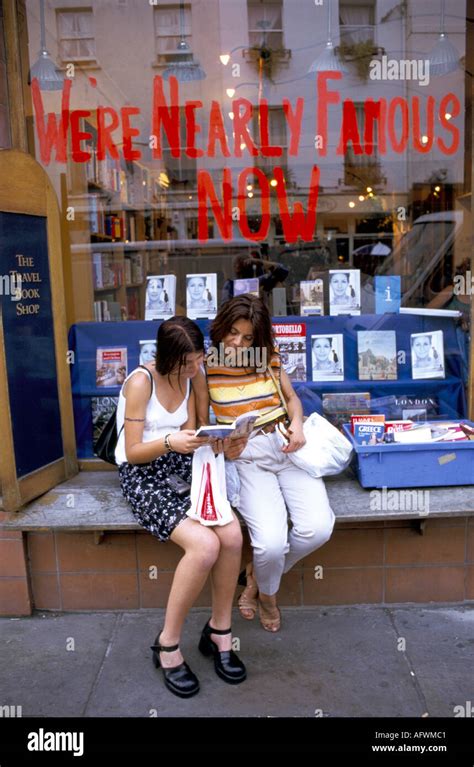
113	205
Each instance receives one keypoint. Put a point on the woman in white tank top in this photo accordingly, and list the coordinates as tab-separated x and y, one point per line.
157	412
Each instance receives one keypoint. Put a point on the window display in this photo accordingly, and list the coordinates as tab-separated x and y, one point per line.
337	189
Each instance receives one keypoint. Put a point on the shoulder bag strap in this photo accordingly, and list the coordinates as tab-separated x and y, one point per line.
278	388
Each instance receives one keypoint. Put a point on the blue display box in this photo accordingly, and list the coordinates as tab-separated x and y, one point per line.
426	464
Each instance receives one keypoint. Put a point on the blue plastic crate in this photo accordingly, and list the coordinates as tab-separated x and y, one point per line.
426	464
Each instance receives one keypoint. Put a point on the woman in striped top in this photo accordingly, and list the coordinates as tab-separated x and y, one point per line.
271	486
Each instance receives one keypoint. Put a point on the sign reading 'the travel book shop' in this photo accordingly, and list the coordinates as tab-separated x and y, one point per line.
27	320
203	126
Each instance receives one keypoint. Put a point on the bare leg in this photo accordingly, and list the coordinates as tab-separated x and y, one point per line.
269	613
201	550
224	580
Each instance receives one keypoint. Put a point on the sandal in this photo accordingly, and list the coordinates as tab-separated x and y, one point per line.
269	624
247	602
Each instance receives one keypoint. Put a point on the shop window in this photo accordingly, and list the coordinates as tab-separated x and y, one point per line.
76	35
356	22
172	24
265	23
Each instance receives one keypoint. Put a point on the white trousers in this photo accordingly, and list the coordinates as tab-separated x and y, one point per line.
271	488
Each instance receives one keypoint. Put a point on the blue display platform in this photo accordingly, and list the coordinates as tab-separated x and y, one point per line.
85	337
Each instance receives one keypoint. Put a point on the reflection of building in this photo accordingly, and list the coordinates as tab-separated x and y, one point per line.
125	204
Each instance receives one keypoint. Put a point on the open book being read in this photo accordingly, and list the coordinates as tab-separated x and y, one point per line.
242	426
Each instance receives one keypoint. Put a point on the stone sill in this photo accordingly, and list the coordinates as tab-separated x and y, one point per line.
93	501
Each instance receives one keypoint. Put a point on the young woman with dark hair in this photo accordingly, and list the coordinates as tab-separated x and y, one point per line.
271	486
157	408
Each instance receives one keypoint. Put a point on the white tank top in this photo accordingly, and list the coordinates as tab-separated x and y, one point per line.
158	420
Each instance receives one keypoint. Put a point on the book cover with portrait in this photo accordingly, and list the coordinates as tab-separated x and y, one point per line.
201	296
312	297
377	352
427	355
147	351
344	291
327	357
111	366
160	300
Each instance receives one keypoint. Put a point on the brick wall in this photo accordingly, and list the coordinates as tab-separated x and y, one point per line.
366	563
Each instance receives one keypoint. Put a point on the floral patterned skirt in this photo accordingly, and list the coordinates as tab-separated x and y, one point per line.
154	504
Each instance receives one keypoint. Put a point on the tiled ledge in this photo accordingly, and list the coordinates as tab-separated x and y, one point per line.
93	501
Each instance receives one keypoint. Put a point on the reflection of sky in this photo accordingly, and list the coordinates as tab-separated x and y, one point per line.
381	343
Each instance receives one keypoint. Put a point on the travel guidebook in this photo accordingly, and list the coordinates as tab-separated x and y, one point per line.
377	350
312	297
242	426
111	366
291	342
368	433
102	408
406	406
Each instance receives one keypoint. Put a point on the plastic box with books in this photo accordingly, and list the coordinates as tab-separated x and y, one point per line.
423	464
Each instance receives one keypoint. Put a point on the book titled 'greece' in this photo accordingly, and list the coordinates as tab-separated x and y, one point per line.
387	294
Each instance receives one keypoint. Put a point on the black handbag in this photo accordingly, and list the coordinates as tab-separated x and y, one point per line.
106	442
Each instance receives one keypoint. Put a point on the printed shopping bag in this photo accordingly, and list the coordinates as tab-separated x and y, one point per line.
209	504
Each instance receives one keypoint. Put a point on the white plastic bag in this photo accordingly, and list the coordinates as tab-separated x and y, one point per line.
326	451
232	482
209	504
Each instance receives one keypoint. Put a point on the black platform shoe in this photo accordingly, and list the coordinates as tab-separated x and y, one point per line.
179	680
226	663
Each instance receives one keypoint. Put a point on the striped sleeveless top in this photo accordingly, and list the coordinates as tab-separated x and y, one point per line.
236	390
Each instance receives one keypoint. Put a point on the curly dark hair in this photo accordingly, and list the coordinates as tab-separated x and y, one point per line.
245	307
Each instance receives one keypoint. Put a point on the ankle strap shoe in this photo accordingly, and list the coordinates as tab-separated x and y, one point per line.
179	680
227	664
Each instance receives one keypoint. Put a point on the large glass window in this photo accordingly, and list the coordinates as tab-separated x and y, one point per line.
164	131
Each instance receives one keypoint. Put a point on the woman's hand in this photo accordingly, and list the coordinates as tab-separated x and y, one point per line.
184	441
296	438
234	447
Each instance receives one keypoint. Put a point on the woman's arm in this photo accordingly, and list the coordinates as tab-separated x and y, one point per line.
295	413
201	392
191	422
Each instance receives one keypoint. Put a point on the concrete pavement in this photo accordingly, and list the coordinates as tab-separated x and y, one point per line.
332	661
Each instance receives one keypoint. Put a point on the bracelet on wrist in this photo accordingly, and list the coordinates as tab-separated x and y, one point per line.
168	443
